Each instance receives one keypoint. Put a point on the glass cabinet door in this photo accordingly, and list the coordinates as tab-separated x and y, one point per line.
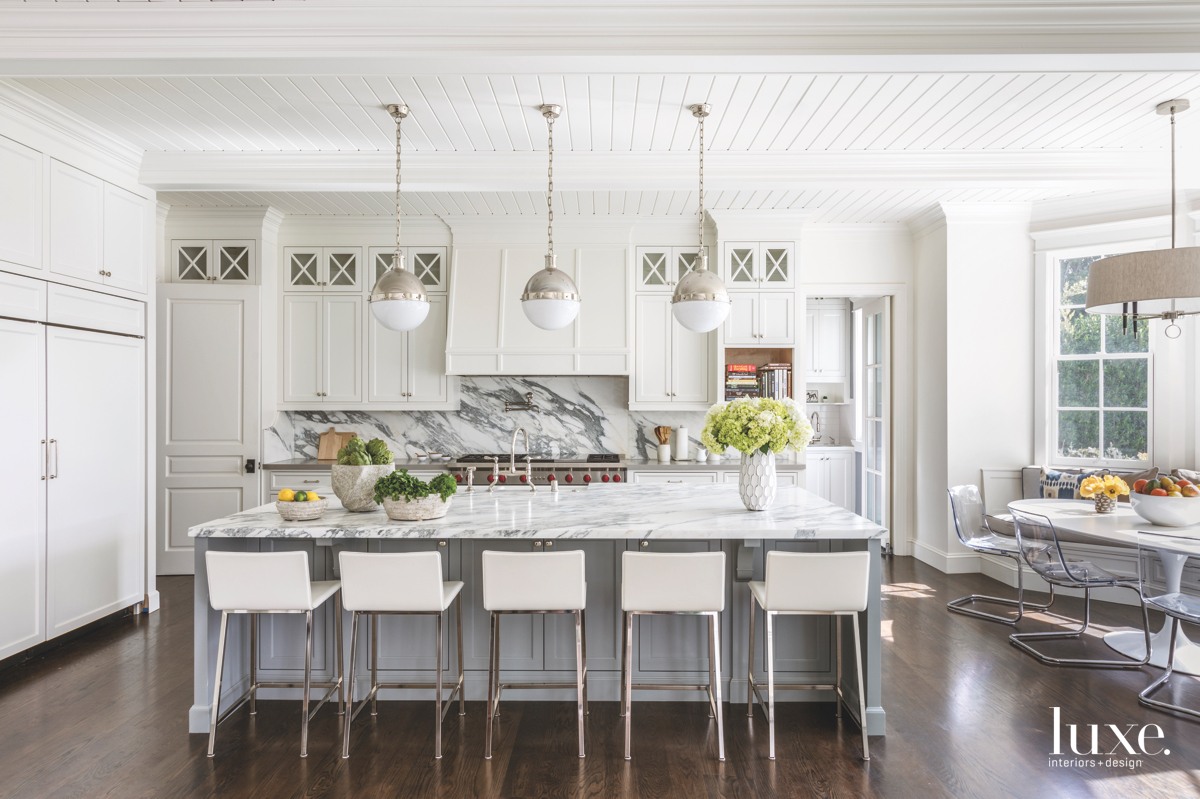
741	264
302	267
653	268
235	261
191	260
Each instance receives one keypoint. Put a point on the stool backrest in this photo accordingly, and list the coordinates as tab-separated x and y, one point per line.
967	508
1185	604
673	581
534	580
825	582
259	581
383	581
1039	545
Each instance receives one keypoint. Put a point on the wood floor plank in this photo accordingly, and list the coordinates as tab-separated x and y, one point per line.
968	716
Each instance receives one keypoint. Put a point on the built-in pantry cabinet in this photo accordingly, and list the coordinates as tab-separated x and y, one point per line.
74	536
322	348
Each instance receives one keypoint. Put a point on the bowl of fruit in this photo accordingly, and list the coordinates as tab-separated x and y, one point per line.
299	506
1166	502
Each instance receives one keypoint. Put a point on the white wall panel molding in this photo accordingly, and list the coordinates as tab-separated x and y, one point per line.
631	171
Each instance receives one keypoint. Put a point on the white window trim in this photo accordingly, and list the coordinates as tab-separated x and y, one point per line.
1046	340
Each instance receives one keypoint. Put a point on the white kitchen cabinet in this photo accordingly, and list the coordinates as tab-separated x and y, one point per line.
673	367
215	261
322	269
20	205
429	264
23	475
322	348
762	264
319	480
74	536
409	369
782	478
830	475
76	223
762	318
827	352
660	268
97	231
681	477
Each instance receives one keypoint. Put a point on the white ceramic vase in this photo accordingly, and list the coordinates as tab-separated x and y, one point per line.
355	485
757	482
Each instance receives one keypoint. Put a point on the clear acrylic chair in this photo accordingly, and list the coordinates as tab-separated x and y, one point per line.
974	532
1041	551
1178	607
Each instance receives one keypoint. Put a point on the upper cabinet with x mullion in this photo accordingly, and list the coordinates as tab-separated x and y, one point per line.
323	268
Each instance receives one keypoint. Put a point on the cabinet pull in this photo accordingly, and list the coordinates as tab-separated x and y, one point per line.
549	544
312	481
54	474
644	544
674	481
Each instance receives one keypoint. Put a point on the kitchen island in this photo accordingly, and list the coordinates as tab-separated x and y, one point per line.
601	521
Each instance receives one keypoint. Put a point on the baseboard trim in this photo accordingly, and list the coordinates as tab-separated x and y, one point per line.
946	562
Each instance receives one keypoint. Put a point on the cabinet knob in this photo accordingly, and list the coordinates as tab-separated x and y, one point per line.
442	544
549	545
644	544
537	544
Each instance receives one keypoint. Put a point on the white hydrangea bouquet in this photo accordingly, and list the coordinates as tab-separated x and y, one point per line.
759	429
750	425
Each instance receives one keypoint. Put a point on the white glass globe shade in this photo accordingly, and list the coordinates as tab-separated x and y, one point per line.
400	315
550	314
700	316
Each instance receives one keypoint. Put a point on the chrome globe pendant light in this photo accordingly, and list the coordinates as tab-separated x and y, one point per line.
398	301
1153	284
700	302
551	299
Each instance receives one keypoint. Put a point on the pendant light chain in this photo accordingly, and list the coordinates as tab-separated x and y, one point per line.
700	251
396	262
550	189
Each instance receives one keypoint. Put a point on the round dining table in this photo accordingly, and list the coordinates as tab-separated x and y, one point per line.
1123	527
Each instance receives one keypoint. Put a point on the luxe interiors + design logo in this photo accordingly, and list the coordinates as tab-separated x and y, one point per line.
1104	745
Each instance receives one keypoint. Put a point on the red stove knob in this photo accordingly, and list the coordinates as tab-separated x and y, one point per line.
551	478
458	478
491	478
524	478
616	478
604	478
587	478
503	479
570	477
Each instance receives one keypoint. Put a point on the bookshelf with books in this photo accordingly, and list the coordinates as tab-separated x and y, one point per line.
757	372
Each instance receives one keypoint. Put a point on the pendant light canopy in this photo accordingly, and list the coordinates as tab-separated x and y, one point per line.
399	301
551	299
1153	284
700	302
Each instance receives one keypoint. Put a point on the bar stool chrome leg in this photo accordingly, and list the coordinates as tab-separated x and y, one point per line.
714	660
862	689
349	710
308	653
374	663
627	679
837	636
769	618
462	693
579	677
491	699
216	702
253	664
750	665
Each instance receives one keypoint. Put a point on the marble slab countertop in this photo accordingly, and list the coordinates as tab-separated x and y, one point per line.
655	512
636	464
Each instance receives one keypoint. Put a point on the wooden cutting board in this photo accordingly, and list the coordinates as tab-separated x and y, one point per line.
331	442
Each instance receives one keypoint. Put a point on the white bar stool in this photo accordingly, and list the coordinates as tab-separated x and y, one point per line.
400	583
541	583
664	584
810	584
269	582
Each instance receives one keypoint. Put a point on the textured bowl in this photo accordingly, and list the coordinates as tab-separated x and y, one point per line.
1167	511
300	511
355	485
430	507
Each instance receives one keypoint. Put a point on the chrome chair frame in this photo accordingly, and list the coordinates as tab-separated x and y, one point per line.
1176	618
769	705
441	701
1021	640
251	693
495	686
961	605
713	688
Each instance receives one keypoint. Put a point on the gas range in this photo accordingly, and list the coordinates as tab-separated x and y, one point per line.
496	470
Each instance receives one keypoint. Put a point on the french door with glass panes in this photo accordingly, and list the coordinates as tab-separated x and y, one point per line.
875	345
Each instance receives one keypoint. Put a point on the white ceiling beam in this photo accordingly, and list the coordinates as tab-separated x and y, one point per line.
448	171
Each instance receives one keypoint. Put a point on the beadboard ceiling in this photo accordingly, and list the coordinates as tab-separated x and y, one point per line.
919	122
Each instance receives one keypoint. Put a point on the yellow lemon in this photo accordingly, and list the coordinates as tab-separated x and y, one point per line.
312	496
287	495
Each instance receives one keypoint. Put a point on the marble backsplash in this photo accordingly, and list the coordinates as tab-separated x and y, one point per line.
575	416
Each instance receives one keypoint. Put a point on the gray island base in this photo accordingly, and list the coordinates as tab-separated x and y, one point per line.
603	521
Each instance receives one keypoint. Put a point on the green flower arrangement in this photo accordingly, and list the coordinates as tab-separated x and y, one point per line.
749	425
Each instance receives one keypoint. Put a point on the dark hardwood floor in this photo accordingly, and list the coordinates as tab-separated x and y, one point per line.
968	716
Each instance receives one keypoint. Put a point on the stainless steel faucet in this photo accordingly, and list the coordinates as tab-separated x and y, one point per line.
815	419
512	458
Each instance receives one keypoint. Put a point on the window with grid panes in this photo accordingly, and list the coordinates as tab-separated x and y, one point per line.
1101	390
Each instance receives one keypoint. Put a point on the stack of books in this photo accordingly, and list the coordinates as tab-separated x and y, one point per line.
773	380
741	380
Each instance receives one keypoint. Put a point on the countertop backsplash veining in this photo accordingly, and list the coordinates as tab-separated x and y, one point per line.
575	416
